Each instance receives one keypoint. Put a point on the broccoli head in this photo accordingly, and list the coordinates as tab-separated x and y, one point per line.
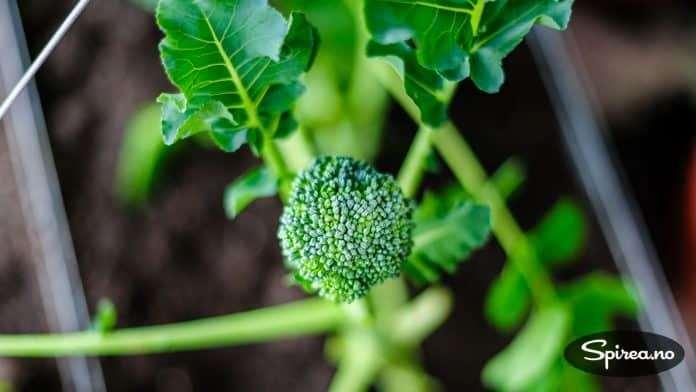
346	227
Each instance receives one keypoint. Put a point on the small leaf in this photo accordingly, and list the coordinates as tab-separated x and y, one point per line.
180	120
286	125
508	178
106	317
237	64
558	238
251	186
596	299
532	353
424	86
448	228
560	235
508	299
141	156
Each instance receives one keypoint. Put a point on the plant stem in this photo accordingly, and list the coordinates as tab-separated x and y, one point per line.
393	294
413	168
470	173
359	363
422	316
298	149
300	318
274	160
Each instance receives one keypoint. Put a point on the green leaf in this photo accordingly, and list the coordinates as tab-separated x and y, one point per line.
141	156
509	177
459	38
255	184
424	86
532	353
179	121
596	299
339	34
508	299
560	235
557	239
237	64
106	317
448	228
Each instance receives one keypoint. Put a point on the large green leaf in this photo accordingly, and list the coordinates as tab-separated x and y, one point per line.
461	38
236	63
454	39
532	353
448	228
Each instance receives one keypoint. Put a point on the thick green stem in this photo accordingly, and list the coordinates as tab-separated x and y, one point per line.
470	173
298	149
359	364
301	318
422	316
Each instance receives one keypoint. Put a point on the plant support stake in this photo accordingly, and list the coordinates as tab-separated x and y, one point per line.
42	206
625	232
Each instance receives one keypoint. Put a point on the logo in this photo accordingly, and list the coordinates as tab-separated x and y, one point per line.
624	353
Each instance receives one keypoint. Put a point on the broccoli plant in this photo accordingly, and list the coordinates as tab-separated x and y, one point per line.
248	74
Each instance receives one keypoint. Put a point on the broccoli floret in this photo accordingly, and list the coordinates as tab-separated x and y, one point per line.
346	227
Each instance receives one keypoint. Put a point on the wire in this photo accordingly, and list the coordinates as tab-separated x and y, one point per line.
41	58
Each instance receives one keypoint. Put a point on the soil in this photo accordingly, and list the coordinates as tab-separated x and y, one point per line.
180	259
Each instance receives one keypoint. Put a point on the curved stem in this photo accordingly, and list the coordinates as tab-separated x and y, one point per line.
359	364
471	175
275	162
413	168
300	318
422	316
466	167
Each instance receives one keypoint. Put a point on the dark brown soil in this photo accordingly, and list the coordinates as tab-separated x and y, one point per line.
180	259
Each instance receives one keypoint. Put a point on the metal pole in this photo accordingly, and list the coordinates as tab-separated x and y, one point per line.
613	205
42	205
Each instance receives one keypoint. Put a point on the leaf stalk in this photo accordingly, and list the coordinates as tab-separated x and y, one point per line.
307	317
